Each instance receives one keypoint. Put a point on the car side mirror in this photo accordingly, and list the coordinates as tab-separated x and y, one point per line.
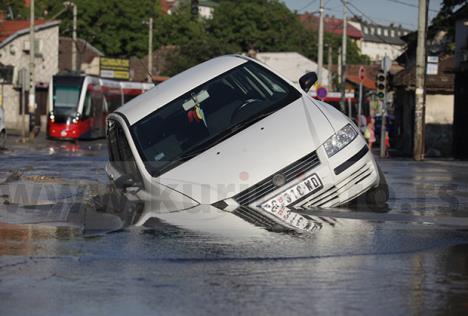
124	182
308	80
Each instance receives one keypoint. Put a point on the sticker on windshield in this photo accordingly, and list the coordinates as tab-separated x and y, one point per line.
159	156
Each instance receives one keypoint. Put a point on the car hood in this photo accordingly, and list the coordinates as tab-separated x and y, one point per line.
252	154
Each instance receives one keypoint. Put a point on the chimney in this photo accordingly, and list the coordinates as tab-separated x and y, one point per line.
27	3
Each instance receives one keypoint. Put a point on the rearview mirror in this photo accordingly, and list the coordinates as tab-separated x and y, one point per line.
124	182
307	81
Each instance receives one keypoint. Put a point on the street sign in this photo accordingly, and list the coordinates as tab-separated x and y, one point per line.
23	79
322	92
362	76
114	68
386	64
362	73
432	66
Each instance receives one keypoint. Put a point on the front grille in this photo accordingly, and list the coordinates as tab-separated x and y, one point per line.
266	186
330	196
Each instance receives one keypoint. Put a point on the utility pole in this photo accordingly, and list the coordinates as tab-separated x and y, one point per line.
150	50
330	61
418	151
32	81
320	45
74	38
339	68
386	64
343	55
67	5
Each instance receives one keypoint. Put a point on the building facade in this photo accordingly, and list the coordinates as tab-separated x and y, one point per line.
205	7
87	56
380	40
291	65
15	51
331	25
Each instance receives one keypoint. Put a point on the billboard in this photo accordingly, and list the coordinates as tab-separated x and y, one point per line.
114	68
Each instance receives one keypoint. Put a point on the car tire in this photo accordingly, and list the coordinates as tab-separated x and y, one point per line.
379	195
3	137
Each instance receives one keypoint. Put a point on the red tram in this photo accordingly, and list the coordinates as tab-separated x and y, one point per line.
78	105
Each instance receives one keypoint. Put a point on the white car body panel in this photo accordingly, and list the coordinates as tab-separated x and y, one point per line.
253	154
268	143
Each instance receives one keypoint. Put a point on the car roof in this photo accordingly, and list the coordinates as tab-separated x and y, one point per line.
163	93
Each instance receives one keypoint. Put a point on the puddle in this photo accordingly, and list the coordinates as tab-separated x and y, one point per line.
67	246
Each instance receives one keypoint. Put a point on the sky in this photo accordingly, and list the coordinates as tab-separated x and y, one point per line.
380	11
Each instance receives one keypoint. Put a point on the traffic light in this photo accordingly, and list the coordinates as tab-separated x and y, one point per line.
194	8
381	84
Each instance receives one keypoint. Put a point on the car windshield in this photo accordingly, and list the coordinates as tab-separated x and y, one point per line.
209	113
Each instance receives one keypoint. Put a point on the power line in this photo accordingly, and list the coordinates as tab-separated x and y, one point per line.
333	9
412	5
307	5
367	17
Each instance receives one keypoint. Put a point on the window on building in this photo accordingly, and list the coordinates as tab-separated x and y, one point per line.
385	32
372	31
392	33
366	30
379	31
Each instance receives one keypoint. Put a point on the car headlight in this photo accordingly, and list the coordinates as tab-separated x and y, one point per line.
340	140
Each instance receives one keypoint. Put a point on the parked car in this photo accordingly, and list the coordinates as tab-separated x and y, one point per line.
3	134
231	132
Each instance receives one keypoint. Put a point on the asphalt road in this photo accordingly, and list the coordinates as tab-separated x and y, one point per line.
60	254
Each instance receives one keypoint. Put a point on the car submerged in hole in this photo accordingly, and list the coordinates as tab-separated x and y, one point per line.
232	133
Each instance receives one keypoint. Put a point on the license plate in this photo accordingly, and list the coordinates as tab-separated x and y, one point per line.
294	193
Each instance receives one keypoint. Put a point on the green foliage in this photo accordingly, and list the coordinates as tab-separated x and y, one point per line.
14	9
263	25
237	26
116	27
444	21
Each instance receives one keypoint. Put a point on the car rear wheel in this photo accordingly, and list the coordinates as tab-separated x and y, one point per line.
375	199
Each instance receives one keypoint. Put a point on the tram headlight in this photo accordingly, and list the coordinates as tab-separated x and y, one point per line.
76	118
52	117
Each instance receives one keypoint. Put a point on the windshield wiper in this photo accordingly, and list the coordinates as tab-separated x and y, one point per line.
249	122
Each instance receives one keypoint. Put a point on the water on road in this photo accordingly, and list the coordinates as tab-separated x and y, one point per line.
61	253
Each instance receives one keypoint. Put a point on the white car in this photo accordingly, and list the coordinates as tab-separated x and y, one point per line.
232	133
2	128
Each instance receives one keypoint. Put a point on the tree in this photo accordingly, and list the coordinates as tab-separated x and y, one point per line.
113	26
444	21
238	26
14	9
266	25
116	28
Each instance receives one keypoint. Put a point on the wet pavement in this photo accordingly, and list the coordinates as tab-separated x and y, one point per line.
60	253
